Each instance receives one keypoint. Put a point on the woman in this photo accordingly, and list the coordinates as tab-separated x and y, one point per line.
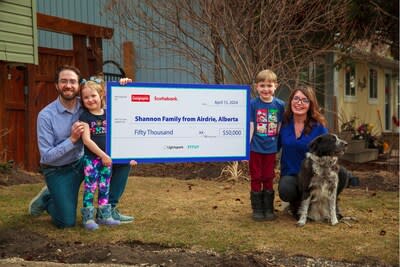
302	122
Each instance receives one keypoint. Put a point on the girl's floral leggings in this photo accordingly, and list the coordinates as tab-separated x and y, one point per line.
96	175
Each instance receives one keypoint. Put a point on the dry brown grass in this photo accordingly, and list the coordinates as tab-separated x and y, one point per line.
202	214
232	172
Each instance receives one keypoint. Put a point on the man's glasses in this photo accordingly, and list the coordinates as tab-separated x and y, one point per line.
66	81
301	100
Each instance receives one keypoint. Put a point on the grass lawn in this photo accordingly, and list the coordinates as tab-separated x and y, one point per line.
216	216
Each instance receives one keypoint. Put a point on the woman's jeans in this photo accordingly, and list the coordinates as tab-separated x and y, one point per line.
288	186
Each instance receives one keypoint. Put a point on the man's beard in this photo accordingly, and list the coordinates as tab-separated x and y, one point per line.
68	97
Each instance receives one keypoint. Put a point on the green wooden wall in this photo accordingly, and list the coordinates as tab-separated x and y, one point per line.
18	31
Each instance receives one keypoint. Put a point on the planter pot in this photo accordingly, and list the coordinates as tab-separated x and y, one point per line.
361	156
356	145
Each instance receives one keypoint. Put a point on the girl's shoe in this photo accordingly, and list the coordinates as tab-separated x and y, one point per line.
88	218
104	216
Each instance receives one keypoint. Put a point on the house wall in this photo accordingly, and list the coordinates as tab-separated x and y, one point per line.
18	34
360	106
151	64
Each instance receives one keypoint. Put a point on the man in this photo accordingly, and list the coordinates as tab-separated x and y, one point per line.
59	139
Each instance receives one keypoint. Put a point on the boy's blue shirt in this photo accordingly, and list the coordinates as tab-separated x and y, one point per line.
266	118
294	149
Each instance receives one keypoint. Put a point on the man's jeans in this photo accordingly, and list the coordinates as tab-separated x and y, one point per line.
63	184
119	177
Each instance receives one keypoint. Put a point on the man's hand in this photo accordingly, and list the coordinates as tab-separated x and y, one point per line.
76	131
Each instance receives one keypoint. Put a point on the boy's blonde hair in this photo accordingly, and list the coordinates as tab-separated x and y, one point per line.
266	75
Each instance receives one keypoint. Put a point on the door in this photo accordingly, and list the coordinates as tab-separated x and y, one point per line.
388	101
13	133
42	91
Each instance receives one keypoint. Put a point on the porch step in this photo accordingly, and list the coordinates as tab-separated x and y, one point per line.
361	156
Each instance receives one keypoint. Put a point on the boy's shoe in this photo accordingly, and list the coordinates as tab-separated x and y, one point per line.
120	217
257	205
38	204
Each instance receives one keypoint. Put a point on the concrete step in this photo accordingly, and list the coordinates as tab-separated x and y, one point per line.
364	155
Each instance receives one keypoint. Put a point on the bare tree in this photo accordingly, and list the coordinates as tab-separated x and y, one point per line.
235	39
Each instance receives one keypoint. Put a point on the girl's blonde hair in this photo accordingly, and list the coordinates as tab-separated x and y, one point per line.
97	84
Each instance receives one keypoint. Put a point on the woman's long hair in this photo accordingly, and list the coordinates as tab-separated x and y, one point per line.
314	114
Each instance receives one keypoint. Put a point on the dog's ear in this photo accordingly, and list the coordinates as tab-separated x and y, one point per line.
330	145
313	146
323	145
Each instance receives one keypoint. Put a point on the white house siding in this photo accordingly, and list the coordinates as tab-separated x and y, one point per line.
152	65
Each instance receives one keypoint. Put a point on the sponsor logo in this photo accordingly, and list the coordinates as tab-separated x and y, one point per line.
140	98
174	147
165	98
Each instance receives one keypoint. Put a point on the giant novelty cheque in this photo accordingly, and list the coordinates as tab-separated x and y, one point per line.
151	122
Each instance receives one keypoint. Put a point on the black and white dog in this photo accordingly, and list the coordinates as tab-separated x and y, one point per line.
318	179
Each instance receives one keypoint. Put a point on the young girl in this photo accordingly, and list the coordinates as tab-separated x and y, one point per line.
97	164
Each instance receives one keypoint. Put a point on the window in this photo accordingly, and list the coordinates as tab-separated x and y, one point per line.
350	81
373	84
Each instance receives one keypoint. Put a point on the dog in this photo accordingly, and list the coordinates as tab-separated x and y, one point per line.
318	179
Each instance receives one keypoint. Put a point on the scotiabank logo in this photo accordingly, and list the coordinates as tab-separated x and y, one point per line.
165	98
140	98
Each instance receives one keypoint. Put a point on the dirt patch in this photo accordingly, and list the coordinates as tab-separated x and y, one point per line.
34	248
17	176
30	246
381	174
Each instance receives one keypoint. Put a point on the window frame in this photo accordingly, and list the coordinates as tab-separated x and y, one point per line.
388	102
352	97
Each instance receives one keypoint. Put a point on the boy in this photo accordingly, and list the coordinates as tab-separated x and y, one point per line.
266	113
